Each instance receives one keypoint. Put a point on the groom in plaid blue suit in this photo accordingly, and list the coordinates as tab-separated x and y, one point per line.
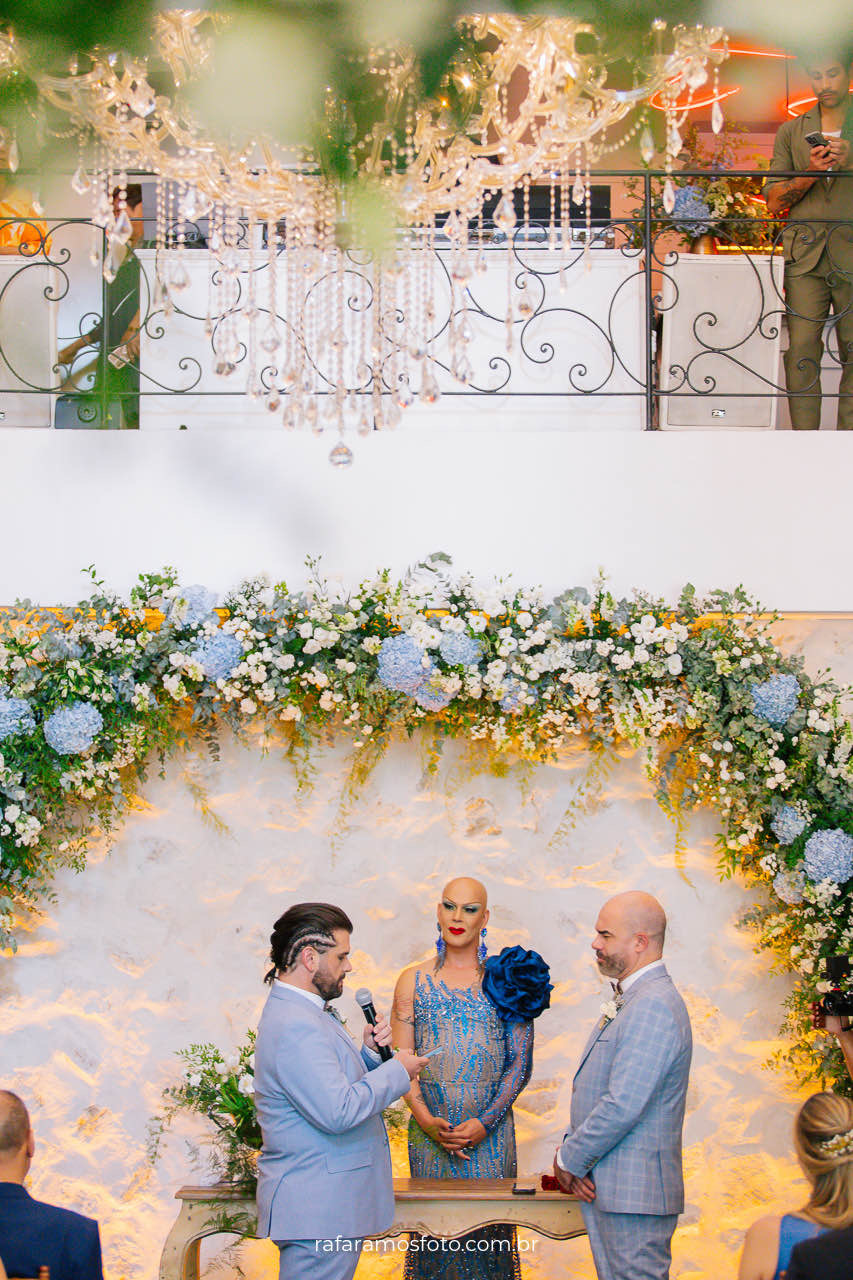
622	1153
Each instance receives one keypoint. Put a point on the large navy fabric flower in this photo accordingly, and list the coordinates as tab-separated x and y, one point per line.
517	983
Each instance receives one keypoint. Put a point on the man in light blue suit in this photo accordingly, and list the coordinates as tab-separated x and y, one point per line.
324	1173
622	1153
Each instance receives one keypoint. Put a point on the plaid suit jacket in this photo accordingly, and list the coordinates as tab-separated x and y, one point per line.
628	1102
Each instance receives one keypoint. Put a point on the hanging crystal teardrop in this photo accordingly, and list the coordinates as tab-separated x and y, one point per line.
717	120
81	182
123	229
14	157
504	215
647	145
270	340
113	259
668	196
179	278
341	455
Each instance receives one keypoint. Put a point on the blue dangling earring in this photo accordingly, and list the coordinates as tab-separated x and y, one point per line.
481	950
440	944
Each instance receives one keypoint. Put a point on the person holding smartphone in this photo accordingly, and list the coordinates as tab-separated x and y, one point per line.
818	240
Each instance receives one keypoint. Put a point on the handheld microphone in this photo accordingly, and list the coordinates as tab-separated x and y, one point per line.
365	999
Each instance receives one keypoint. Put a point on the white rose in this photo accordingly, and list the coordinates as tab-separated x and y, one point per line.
246	1085
327	700
312	646
12	812
306	629
248	706
290	712
674	664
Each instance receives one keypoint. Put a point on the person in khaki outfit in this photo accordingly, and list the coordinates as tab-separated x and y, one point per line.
818	240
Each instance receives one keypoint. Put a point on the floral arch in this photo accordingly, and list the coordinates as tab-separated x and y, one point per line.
89	695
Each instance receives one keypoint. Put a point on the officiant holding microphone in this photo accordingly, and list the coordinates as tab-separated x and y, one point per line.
324	1172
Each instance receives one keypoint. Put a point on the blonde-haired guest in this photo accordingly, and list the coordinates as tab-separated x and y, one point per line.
823	1141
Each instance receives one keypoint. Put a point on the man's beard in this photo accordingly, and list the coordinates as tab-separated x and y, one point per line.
611	966
328	988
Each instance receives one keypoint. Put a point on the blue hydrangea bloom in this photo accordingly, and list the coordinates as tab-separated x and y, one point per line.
789	886
432	696
787	825
828	855
123	685
15	717
691	208
775	699
199	604
459	649
218	654
401	664
511	700
73	729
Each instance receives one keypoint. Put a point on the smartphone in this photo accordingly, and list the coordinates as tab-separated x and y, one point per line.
816	139
523	1187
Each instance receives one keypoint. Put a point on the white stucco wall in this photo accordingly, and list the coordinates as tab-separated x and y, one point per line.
654	510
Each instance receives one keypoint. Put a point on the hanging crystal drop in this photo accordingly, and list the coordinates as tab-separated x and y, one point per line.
647	145
430	392
311	416
365	426
504	215
272	400
179	278
525	307
404	397
717	120
81	182
674	141
14	157
270	339
160	296
341	455
578	191
289	419
224	368
113	259
192	205
460	267
122	229
668	196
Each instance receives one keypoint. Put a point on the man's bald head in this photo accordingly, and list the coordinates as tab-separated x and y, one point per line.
14	1126
629	933
465	889
642	914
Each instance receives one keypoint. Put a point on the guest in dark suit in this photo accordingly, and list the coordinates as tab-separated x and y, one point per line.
33	1234
828	1258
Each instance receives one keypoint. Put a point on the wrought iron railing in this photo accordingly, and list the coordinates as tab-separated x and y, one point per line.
615	310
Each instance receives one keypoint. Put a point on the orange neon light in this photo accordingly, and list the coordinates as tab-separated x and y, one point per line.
691	104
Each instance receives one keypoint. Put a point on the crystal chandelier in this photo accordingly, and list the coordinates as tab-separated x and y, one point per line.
523	101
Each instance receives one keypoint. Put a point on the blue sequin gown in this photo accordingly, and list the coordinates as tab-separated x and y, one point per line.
483	1067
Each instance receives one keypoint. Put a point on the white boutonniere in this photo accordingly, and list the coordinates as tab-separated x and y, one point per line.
609	1010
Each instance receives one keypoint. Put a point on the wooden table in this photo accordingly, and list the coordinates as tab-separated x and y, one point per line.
428	1206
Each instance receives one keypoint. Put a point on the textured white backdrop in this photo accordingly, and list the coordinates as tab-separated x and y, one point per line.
163	941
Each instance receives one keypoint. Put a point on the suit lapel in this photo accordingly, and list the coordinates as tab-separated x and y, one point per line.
656	975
